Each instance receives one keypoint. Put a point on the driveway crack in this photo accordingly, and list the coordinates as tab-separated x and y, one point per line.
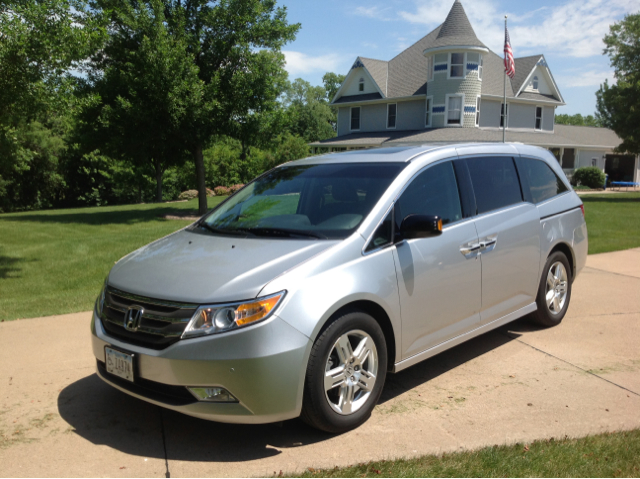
164	443
570	363
611	272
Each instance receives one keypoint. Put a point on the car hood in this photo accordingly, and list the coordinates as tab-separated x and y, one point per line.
200	267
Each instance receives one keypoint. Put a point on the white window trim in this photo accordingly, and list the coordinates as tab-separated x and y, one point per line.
351	117
480	67
426	102
477	116
361	82
390	127
464	67
431	63
533	81
446	110
535	117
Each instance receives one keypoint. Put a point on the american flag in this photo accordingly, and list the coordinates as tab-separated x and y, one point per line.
509	65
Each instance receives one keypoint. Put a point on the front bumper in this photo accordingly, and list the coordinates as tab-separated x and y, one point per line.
263	366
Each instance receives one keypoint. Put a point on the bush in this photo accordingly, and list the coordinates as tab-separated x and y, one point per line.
590	176
222	191
234	188
188	195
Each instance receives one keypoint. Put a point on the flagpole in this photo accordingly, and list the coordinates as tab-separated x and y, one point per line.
504	104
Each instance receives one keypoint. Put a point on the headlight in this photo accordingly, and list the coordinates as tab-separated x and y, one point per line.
100	300
219	318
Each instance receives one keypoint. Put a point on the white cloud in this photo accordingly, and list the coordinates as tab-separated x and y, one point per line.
589	78
300	63
574	28
376	12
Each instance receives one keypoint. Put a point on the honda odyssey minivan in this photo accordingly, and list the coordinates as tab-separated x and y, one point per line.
298	294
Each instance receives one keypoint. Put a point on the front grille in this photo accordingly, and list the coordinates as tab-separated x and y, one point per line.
161	324
164	393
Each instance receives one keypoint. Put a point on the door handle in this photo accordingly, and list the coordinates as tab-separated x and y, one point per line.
489	243
468	250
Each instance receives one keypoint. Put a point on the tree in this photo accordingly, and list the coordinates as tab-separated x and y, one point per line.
309	113
577	120
39	42
143	90
618	105
332	82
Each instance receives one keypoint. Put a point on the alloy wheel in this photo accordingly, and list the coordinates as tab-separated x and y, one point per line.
557	284
350	372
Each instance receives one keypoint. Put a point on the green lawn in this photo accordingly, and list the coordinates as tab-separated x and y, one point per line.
54	262
605	455
613	221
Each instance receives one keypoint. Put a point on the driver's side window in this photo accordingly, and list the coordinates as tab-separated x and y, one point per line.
432	192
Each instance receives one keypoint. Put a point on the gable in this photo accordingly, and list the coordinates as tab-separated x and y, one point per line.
543	86
351	85
361	75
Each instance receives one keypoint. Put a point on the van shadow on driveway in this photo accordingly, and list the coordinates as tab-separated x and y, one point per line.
106	416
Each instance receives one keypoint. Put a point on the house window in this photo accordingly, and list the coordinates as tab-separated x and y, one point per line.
429	68
454	110
427	121
480	68
392	109
456	68
355	118
503	114
478	111
569	158
361	85
538	118
535	83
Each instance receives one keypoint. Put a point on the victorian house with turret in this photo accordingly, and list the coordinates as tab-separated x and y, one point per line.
448	88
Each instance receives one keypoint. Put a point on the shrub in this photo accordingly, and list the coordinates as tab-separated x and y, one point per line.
222	191
188	195
234	188
590	176
210	192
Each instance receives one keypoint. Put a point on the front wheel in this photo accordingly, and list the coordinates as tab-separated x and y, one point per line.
554	291
345	373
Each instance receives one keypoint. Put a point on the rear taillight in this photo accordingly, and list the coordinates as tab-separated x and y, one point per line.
582	209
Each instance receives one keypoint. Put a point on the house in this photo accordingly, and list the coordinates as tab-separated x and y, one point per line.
448	87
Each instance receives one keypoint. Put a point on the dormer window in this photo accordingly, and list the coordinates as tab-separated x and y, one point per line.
361	84
535	83
456	67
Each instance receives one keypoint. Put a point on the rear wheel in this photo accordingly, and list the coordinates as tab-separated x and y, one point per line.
345	373
554	291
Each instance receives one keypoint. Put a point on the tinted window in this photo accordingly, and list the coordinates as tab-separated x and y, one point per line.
495	182
543	182
432	192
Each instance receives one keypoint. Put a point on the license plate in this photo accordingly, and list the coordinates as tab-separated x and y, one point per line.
119	364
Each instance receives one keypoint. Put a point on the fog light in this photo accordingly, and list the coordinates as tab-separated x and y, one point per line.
212	394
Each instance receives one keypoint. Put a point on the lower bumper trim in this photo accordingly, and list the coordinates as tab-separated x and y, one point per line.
158	392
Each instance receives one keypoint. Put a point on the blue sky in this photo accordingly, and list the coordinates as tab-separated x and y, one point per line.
568	32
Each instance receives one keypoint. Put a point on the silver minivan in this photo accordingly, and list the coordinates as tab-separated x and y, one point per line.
299	293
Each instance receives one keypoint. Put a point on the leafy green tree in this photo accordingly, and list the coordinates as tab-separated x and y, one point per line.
309	113
143	90
332	82
39	42
577	120
618	105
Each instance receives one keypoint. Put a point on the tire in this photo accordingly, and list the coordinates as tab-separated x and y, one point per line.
355	373
555	283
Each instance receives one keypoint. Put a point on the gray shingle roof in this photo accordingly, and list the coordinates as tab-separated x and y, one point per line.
524	65
408	70
456	30
493	76
564	136
537	96
352	98
378	70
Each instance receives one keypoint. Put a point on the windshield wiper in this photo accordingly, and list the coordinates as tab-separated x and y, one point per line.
282	232
234	232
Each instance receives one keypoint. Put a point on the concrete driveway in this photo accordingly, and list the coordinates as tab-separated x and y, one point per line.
518	383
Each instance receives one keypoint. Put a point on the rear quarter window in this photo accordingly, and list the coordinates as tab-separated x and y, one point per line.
543	182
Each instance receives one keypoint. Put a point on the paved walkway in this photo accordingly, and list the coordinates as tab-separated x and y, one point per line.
514	384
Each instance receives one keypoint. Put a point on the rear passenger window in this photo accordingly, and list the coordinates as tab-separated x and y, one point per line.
432	192
495	182
543	182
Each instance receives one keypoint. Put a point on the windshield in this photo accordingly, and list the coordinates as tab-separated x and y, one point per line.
316	201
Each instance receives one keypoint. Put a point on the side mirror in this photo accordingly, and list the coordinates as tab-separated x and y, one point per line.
420	226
